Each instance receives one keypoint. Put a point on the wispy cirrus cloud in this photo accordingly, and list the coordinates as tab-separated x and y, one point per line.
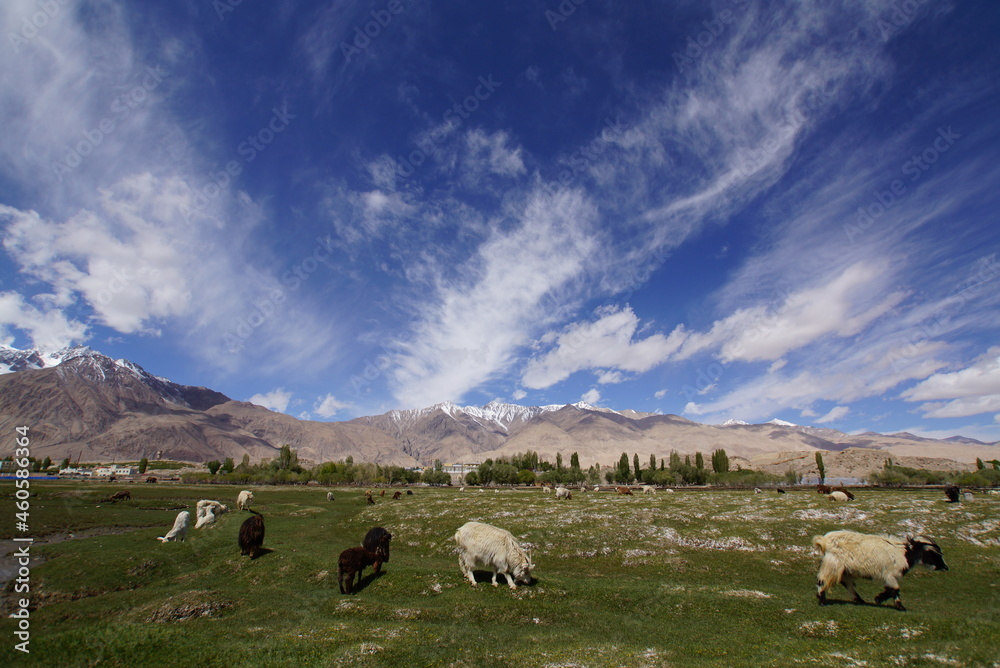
734	125
517	281
124	236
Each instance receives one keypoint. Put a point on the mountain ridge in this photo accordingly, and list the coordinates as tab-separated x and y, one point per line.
79	402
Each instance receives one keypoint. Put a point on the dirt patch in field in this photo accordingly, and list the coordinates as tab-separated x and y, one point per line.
189	605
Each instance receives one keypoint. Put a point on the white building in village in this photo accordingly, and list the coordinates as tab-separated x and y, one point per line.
115	469
76	471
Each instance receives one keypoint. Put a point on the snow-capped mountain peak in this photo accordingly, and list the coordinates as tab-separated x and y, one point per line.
731	422
13	359
781	423
498	413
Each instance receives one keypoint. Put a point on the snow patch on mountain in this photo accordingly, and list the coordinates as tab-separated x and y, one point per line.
781	423
733	422
494	415
13	360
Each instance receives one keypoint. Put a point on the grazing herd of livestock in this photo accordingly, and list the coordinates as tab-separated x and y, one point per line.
845	555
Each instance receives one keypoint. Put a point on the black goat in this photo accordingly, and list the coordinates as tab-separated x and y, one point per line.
377	541
252	535
352	562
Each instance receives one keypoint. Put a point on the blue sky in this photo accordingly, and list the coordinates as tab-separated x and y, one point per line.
739	209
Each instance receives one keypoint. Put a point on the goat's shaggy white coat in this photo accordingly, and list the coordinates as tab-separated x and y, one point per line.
207	511
244	499
494	548
179	530
838	496
847	555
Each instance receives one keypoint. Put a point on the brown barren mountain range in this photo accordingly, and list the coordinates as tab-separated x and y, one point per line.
89	407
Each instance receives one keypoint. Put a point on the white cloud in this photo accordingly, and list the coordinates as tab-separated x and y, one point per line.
610	378
982	378
517	281
835	414
120	239
489	153
379	209
121	259
328	406
591	396
606	343
517	395
963	407
842	373
659	394
971	391
48	329
275	400
840	305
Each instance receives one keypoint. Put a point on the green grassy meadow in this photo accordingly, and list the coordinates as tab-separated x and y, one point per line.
694	578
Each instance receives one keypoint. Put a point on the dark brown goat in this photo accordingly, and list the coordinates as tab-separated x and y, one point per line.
951	491
252	535
120	495
377	541
624	490
823	489
352	563
395	497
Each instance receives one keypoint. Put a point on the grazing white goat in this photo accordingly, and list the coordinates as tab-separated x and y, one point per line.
205	516
648	489
838	496
179	530
329	496
494	548
848	555
206	512
244	499
563	493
